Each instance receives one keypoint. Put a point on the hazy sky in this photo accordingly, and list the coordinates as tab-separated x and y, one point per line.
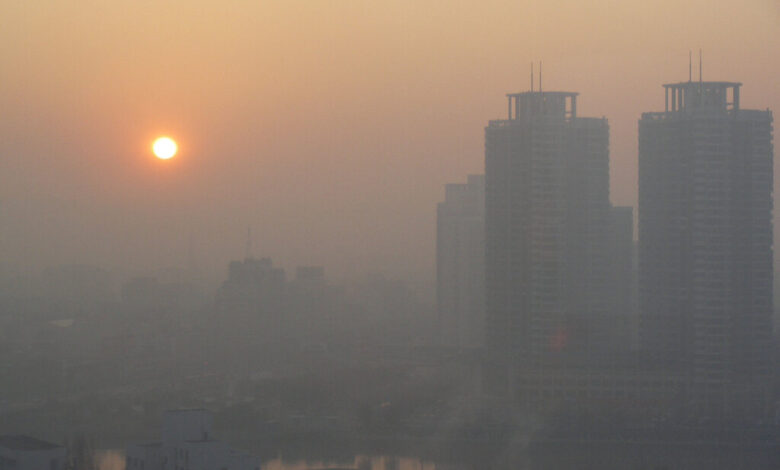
330	127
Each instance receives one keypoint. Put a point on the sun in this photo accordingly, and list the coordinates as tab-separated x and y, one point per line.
164	148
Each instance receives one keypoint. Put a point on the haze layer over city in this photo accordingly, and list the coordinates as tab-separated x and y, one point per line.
329	128
399	234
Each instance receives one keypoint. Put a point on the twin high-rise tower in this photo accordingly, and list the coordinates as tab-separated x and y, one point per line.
705	233
547	212
705	237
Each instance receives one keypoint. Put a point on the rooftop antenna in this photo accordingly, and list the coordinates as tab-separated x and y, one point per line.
532	76
699	66
540	76
248	241
690	66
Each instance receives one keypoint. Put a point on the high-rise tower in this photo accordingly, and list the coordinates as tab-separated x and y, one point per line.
460	264
547	216
705	233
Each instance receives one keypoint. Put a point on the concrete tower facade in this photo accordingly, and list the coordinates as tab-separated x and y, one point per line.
547	216
705	234
460	264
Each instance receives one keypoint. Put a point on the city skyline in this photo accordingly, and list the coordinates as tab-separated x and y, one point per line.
185	248
389	235
272	124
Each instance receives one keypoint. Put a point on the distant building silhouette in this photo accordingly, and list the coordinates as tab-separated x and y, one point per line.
254	290
460	264
313	309
705	233
547	223
251	305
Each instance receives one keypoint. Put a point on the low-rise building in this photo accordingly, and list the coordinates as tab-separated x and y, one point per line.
19	452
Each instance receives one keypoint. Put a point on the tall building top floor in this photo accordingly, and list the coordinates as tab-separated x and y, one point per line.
254	270
538	104
472	191
696	97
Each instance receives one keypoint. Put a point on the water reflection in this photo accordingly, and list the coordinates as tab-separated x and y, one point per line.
360	462
557	455
109	460
115	460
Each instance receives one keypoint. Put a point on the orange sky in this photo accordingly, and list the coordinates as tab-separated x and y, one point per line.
329	127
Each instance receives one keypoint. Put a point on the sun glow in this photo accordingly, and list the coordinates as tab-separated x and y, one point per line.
164	148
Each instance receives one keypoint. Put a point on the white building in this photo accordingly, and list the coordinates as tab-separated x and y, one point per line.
28	453
187	444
